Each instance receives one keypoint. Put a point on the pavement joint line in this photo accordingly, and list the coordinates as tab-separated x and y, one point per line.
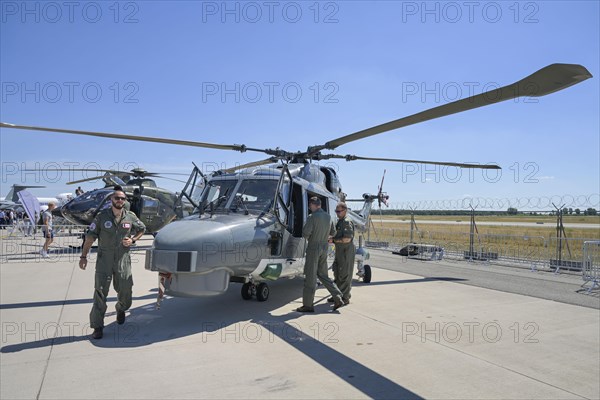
54	338
505	368
474	356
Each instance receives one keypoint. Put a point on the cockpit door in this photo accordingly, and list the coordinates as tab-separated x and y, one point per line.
191	191
283	196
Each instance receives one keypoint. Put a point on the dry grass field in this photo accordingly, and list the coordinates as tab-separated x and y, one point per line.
537	241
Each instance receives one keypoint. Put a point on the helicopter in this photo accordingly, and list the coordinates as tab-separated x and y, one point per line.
247	223
154	206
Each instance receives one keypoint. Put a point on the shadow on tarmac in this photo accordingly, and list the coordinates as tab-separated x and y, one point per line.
230	319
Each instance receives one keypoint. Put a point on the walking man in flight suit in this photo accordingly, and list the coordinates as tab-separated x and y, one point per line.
343	266
116	230
316	231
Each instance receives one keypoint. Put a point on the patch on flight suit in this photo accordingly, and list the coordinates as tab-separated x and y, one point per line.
126	225
108	224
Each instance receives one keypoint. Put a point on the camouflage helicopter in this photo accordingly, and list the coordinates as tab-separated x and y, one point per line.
155	206
247	223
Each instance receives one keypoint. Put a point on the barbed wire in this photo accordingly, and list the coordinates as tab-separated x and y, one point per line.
545	203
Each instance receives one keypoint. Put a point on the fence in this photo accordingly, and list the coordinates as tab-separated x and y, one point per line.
23	242
591	264
532	251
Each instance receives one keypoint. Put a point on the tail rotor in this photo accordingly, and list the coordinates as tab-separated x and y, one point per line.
382	197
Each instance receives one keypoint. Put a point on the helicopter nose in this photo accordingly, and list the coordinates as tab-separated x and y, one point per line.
227	243
71	212
81	210
74	212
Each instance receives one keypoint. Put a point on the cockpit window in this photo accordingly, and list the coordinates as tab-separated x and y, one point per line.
254	195
216	194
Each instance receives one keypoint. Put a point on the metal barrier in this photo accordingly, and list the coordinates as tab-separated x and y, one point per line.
566	253
534	252
23	243
591	264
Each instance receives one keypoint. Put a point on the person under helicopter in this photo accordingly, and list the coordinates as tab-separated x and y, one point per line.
343	265
316	231
136	202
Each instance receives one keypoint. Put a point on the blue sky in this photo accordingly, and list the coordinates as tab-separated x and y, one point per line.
294	74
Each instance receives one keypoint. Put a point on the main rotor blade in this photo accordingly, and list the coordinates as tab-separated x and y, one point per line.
114	172
547	80
93	178
235	147
251	164
449	164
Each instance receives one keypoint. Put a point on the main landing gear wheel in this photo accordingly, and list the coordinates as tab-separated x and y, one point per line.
262	292
367	276
247	291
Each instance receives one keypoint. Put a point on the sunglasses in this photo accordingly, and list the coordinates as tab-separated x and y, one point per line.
120	198
339	211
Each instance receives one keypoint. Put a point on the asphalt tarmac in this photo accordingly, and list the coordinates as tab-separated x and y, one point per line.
419	330
565	287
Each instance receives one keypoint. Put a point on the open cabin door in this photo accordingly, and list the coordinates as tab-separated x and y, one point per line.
191	191
283	197
283	242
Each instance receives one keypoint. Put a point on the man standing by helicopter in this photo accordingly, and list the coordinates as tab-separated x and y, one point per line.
316	231
116	230
343	266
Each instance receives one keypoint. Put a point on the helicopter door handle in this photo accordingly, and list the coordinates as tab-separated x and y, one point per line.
290	260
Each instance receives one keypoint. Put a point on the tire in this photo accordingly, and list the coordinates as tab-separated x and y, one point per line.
262	292
247	291
367	277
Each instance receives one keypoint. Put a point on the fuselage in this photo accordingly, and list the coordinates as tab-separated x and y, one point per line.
248	226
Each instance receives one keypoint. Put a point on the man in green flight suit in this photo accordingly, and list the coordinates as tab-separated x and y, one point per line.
343	266
316	231
116	230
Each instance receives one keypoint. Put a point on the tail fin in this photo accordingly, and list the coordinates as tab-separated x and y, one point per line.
12	195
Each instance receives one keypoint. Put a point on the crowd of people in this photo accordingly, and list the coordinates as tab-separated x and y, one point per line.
10	219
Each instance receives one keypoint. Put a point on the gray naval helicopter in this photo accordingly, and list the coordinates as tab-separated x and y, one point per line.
247	223
155	206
